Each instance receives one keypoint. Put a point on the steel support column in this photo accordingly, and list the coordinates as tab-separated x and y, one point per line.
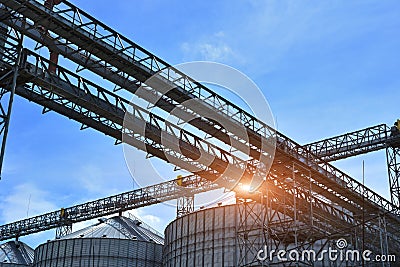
383	239
63	230
65	225
393	161
185	205
251	231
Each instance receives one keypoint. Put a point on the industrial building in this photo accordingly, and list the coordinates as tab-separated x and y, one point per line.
303	202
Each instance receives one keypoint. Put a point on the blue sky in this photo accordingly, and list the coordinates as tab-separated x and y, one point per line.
326	68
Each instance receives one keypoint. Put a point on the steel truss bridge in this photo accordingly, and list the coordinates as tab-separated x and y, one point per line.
305	199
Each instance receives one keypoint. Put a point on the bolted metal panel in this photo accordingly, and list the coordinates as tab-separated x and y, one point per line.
12	265
209	237
204	238
117	241
82	252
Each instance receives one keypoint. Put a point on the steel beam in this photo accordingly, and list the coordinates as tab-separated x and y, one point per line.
100	40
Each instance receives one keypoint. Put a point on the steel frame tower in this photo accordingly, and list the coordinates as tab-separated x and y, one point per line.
393	161
11	51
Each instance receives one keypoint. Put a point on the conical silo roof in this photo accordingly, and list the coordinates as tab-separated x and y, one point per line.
119	227
16	252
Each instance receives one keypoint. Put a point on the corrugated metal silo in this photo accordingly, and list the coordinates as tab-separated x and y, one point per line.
118	241
206	237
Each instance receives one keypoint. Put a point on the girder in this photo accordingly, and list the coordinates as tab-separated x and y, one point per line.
355	143
108	40
98	40
114	119
123	81
39	94
112	108
102	207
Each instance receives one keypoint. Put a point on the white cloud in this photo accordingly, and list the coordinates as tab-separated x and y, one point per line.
212	48
26	200
215	52
98	181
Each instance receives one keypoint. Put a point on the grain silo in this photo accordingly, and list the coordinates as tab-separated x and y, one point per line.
15	253
207	237
233	235
118	241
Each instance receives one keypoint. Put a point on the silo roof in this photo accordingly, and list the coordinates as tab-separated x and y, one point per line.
118	227
16	252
